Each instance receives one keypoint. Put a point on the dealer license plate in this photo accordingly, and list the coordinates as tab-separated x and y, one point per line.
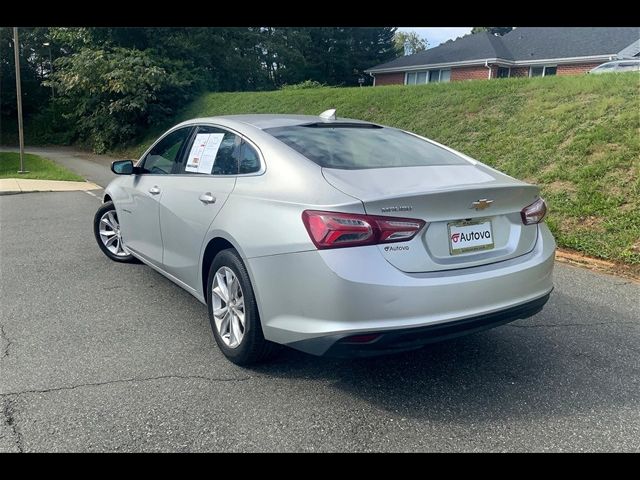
468	236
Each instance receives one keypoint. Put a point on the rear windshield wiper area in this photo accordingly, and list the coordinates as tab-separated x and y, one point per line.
339	125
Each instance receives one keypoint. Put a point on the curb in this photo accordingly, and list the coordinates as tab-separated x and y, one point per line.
13	186
576	259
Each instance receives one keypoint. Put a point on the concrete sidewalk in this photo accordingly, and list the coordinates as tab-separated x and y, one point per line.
92	167
10	186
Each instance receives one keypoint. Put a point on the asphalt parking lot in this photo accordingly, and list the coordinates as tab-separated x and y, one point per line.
100	356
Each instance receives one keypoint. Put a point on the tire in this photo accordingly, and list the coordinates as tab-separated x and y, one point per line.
118	252
252	348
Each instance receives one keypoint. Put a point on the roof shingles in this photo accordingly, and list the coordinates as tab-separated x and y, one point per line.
522	44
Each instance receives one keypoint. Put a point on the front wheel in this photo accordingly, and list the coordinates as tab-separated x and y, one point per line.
106	229
233	312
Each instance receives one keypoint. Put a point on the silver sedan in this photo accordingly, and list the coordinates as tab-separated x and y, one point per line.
329	235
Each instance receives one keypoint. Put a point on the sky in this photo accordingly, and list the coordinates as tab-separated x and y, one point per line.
437	35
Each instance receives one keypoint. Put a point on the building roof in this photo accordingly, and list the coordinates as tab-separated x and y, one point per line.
521	45
472	47
536	43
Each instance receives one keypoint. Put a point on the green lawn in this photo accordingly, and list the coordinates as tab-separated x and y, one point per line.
39	168
577	137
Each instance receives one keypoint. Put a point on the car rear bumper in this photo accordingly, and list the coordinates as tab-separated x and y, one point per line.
410	338
313	300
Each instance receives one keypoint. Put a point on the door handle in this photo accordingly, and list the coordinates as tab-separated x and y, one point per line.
207	198
154	190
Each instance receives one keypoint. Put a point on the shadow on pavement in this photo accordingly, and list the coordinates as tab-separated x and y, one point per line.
530	367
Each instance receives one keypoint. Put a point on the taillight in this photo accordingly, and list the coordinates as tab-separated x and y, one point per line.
336	230
534	213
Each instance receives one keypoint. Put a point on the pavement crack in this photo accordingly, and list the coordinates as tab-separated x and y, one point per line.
6	342
8	411
128	380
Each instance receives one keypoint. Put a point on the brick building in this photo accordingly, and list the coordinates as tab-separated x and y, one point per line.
523	52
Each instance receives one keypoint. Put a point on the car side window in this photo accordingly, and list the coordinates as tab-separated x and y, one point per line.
165	157
249	159
607	66
628	66
210	141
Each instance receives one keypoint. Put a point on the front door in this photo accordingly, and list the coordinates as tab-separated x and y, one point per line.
139	212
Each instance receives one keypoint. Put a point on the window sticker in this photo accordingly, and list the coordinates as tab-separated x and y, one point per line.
203	152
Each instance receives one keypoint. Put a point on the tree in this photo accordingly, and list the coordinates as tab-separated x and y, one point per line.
339	55
280	54
408	43
112	94
369	46
110	83
499	31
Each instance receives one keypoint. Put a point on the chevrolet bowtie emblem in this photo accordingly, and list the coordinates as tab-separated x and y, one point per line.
481	204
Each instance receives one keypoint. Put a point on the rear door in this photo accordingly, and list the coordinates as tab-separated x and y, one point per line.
187	209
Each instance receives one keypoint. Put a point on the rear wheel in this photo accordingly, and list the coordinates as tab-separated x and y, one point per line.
106	229
233	312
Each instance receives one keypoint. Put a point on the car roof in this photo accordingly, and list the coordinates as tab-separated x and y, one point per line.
264	120
622	60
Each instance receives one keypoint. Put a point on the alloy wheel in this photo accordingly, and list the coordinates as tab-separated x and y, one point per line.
228	307
110	234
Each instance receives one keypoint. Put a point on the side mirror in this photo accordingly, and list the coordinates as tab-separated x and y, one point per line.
122	167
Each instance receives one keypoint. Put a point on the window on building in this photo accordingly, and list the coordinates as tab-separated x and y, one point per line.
543	71
503	72
428	76
537	72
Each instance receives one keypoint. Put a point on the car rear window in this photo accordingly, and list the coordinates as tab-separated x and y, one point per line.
360	146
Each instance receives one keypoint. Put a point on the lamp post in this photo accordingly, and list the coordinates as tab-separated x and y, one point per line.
16	49
48	44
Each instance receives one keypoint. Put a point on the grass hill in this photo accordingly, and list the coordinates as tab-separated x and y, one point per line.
576	137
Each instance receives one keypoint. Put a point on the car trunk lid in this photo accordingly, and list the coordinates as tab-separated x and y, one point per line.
489	230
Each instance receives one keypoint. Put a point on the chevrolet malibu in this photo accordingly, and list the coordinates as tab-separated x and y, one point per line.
330	235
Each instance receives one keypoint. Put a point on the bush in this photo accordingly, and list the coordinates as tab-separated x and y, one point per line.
49	126
303	85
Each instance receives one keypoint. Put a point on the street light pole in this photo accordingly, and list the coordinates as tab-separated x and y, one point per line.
16	48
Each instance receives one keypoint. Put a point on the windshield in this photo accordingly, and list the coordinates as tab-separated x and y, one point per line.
360	146
605	66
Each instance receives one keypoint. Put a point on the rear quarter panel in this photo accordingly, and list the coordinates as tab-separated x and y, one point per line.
263	214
